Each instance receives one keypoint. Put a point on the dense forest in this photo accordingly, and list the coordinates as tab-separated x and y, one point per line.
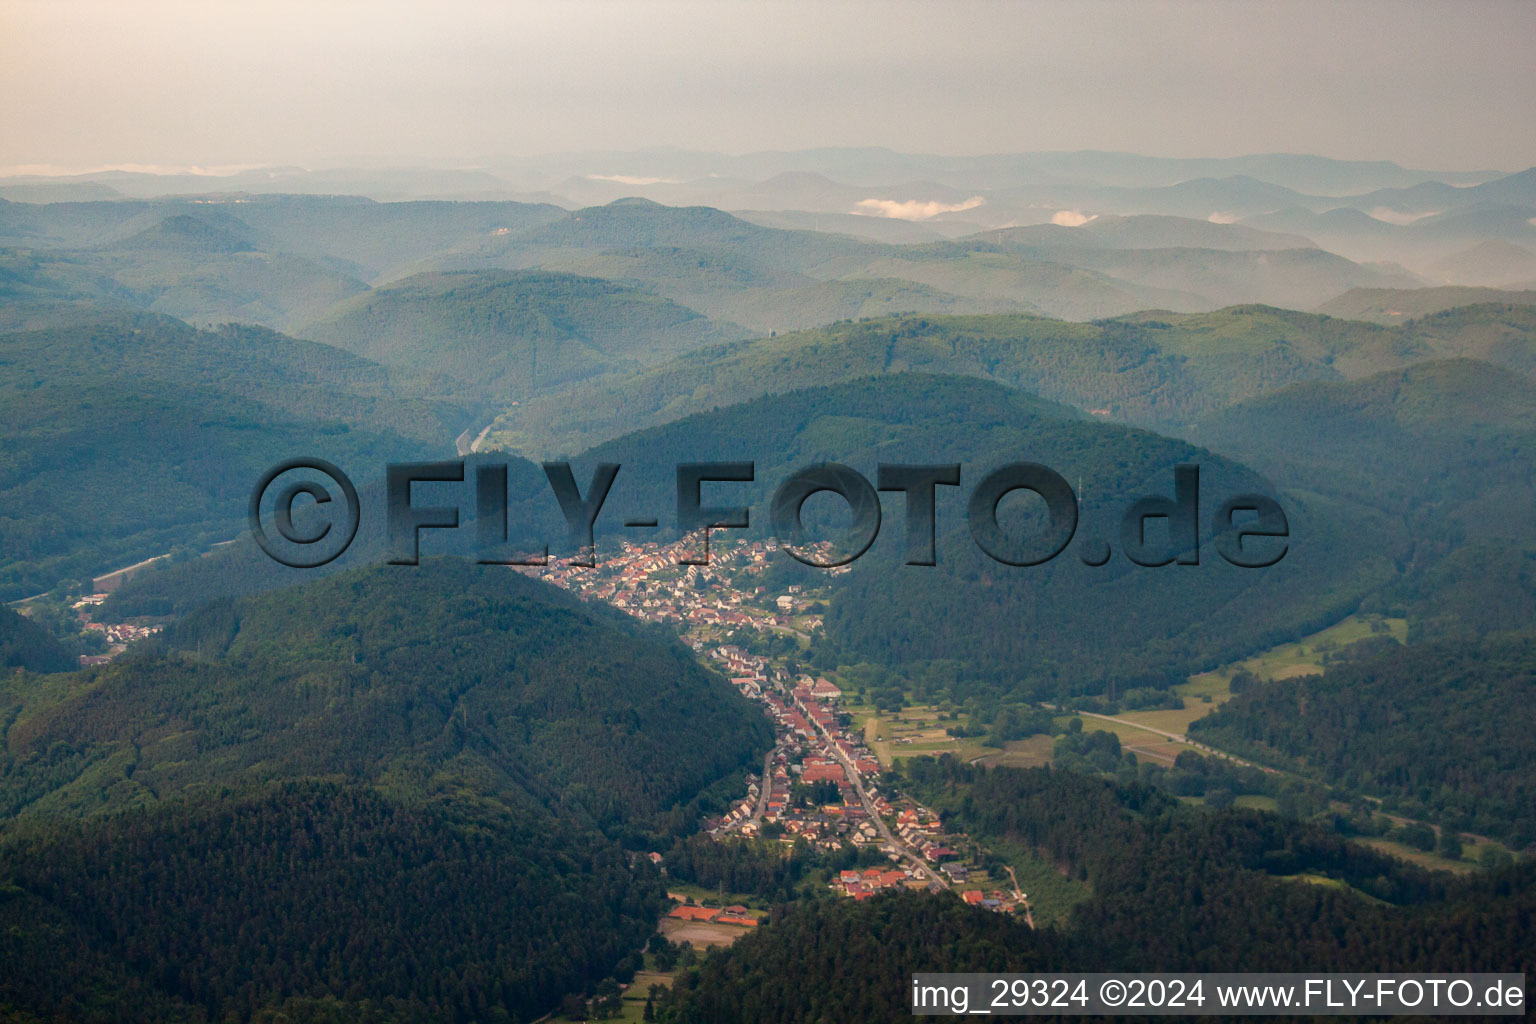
378	793
1469	427
444	681
1174	888
420	792
838	960
1438	731
309	901
25	644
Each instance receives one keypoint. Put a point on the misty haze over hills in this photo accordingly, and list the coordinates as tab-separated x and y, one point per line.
1444	227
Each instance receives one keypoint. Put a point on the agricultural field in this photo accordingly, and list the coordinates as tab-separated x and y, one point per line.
917	731
701	933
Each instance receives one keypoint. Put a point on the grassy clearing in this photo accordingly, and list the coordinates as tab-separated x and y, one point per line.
1032	752
1052	895
918	731
635	995
1135	738
1305	656
1424	859
1330	883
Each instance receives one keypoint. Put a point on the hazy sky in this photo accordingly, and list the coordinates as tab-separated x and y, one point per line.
164	82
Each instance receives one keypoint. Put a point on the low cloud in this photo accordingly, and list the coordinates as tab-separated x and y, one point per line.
912	209
1391	216
60	170
1072	218
1222	218
626	179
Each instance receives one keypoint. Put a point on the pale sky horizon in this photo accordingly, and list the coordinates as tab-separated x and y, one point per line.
167	84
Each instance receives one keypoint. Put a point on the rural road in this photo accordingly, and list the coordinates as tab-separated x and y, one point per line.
874	816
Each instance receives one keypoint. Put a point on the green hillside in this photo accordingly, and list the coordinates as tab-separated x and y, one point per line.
1050	286
25	644
1439	730
1397	305
130	435
240	568
514	335
351	235
1295	278
640	223
440	682
214	273
33	281
1455	415
309	901
1157	368
1150	231
383	241
380	788
1444	447
201	264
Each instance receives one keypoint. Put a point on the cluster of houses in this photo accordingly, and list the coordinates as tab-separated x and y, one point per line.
1000	900
696	595
861	885
118	635
121	632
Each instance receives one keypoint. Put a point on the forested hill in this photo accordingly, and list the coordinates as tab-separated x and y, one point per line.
1173	888
1155	368
1445	448
25	644
1441	731
509	336
440	681
413	791
311	901
127	435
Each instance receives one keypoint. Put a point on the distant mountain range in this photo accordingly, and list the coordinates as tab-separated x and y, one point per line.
1363	210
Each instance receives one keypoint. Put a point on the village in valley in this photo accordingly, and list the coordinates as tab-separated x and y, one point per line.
820	784
115	636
